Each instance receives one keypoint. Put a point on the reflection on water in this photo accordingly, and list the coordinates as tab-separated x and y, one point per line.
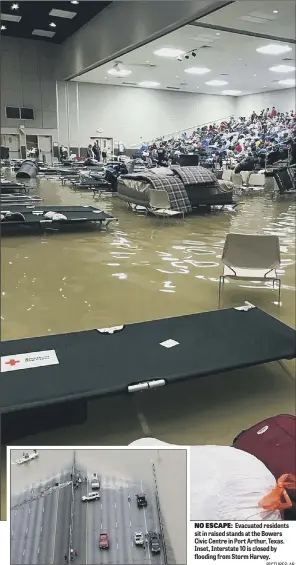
141	268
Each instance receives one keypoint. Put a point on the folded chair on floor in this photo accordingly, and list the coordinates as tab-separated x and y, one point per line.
160	204
251	257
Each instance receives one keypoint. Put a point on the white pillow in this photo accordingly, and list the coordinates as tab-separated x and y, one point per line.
227	484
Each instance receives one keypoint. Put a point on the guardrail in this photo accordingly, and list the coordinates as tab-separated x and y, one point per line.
160	516
177	133
73	472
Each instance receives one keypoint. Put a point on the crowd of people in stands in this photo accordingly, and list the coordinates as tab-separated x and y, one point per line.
264	136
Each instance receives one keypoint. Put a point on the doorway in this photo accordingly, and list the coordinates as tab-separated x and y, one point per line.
31	146
12	142
105	144
45	148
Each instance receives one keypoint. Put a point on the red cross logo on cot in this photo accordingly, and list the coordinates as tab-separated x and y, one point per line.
11	362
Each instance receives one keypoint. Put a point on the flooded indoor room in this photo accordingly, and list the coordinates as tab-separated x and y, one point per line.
148	157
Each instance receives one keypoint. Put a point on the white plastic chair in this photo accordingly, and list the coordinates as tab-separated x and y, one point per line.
227	174
245	176
251	257
257	180
160	204
237	180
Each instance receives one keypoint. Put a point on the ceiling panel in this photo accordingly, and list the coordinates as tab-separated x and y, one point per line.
35	15
231	57
271	18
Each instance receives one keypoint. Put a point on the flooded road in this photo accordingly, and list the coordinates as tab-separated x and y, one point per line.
124	466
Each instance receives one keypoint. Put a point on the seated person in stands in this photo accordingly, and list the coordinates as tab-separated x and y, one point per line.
273	112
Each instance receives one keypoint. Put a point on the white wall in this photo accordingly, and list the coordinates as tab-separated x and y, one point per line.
129	114
283	100
28	80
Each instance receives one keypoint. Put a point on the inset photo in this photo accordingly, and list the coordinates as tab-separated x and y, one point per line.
92	506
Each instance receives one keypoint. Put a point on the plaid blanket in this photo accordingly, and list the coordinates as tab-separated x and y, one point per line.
171	184
195	175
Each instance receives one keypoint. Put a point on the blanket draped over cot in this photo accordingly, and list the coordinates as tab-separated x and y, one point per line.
180	183
195	176
171	184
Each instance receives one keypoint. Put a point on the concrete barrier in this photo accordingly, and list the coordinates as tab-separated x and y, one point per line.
165	556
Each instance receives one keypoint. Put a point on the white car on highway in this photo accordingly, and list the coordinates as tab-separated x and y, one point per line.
95	483
91	496
139	538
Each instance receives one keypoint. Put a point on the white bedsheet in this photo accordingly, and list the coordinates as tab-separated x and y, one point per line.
225	483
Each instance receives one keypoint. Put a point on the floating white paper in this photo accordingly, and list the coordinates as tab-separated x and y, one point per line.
169	343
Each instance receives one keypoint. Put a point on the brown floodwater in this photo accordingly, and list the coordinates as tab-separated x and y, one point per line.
140	269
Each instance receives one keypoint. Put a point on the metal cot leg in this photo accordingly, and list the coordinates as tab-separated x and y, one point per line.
221	283
279	288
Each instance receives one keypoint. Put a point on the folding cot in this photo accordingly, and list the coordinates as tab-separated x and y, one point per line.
30	216
46	381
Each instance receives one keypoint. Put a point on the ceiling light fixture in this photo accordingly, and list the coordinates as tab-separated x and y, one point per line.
169	52
275	12
287	82
197	70
231	92
74	2
274	49
216	82
218	33
149	84
3	28
282	69
43	33
15	7
52	24
62	14
119	71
